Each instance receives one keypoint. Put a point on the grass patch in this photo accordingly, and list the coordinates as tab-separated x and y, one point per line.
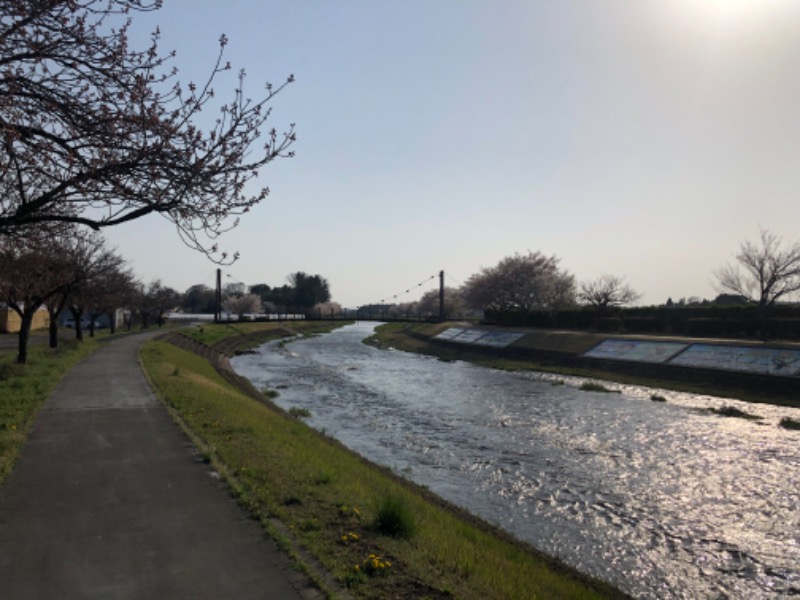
732	411
593	386
657	398
299	413
789	423
24	388
395	517
250	334
268	393
268	458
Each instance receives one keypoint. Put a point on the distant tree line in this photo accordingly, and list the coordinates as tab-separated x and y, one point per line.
72	270
533	290
301	294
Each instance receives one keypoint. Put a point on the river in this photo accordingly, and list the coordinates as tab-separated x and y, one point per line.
663	500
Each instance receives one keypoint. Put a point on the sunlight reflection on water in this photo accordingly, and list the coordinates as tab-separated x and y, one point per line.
665	500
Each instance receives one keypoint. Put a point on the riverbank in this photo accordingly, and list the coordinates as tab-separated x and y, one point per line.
314	495
562	352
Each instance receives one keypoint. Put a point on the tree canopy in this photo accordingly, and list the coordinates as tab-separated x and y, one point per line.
607	291
97	133
527	282
768	271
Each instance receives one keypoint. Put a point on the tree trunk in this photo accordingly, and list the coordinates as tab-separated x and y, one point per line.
762	320
53	330
112	318
76	316
24	335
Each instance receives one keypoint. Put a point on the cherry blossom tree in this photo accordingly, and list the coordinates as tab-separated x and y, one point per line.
526	282
32	272
242	305
97	133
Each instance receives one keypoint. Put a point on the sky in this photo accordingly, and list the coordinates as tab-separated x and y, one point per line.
645	139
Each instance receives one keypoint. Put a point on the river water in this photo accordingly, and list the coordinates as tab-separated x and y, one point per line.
663	500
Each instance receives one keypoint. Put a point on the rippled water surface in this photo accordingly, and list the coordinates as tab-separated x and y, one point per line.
664	500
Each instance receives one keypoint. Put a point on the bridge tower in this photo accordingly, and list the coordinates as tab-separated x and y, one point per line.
441	296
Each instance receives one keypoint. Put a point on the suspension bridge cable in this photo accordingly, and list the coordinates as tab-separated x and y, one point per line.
454	279
407	291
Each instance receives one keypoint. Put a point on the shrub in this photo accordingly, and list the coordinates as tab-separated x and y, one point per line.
591	386
299	413
395	518
789	423
732	411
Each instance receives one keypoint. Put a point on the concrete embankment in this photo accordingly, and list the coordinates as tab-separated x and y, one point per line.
746	369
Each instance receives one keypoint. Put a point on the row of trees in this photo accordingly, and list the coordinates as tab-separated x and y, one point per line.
764	273
301	293
96	133
522	282
73	270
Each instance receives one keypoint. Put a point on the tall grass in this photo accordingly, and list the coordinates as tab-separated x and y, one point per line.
329	500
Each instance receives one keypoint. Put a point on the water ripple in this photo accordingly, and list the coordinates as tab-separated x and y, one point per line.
664	500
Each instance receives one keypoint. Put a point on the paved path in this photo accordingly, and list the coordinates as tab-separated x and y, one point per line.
109	501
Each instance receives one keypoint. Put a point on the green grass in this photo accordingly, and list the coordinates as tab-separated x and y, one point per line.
394	516
299	413
24	388
789	423
592	386
732	411
281	469
211	334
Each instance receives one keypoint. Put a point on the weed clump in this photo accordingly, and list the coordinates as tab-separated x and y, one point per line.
297	412
789	423
732	411
394	517
591	386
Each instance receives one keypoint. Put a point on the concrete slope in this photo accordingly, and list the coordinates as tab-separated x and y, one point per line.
108	500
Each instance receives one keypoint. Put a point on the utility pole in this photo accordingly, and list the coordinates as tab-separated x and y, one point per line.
218	298
441	296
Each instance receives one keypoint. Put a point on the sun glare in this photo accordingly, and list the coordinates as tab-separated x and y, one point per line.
731	11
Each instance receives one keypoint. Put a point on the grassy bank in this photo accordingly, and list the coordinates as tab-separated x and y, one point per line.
377	535
242	335
24	388
416	337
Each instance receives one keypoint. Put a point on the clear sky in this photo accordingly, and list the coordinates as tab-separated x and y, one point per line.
640	138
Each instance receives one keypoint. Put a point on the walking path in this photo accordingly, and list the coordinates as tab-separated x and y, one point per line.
108	500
